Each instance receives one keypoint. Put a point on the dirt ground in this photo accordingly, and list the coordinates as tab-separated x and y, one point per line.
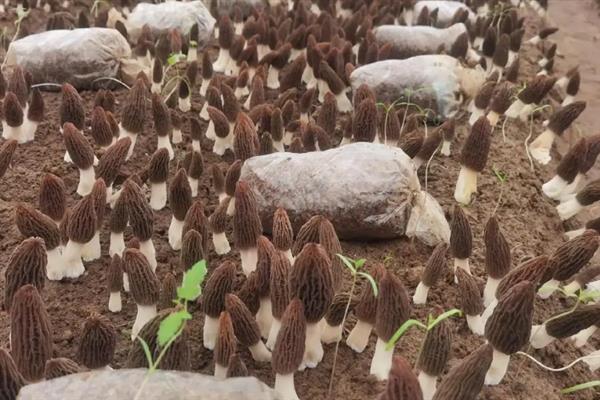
528	220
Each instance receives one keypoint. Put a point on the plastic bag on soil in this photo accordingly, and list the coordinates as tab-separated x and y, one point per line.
225	6
170	15
432	81
367	191
78	56
410	41
446	10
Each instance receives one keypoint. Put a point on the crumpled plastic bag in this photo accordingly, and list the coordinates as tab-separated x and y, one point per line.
225	6
431	81
368	191
410	41
78	56
170	15
446	10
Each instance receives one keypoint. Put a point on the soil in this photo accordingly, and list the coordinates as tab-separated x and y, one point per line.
528	220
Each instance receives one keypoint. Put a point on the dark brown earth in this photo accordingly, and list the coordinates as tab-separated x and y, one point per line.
528	220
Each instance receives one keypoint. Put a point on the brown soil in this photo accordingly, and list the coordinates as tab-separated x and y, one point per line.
527	218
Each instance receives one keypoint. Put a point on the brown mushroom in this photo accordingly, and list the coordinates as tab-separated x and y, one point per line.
98	342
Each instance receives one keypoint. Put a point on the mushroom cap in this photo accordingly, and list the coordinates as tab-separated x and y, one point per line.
501	98
279	288
497	250
329	240
411	142
194	164
35	112
461	237
226	344
248	293
436	349
244	138
26	265
101	130
429	146
236	368
589	194
71	107
532	270
364	121
466	379
57	367
114	278
119	216
573	255
289	346
52	197
180	195
232	176
141	217
78	147
265	252
475	150
133	114
218	219
30	332
308	233
168	291
32	223
337	309
98	342
468	293
218	284
483	96
244	325
82	221
509	327
402	384
112	160
191	249
143	283
161	116
564	117
366	308
291	76
11	380
569	323
436	265
311	281
7	150
158	169
283	233
196	220
98	194
247	226
393	306
570	164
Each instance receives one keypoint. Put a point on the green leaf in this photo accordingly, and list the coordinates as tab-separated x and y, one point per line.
174	58
171	325
502	176
146	351
589	295
193	43
371	281
444	316
581	386
192	279
348	262
359	263
402	330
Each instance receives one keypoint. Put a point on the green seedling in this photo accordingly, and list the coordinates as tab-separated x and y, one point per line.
580	387
431	323
502	178
96	6
172	326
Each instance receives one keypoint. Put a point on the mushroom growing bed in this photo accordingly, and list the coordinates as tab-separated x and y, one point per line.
527	218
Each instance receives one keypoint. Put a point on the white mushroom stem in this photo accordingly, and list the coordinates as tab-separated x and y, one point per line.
220	372
569	208
165	143
55	264
13	132
284	387
273	332
493	118
185	103
313	353
539	337
476	325
346	141
196	145
86	181
343	103
210	332
582	337
222	60
175	231
249	258
308	75
204	86
330	333
290	257
514	109
230	206
221	243
466	185
420	296
28	130
487	313
428	385
73	266
528	109
117	244
240	92
204	112
114	302
548	288
382	360
222	144
567	100
593	360
446	148
554	187
210	131
133	136
573	286
156	87
287	138
264	317
144	314
534	40
463	264
359	336
158	195
475	115
193	182
278	146
489	292
177	136
260	352
273	78
497	369
572	187
91	250
322	89
147	249
512	55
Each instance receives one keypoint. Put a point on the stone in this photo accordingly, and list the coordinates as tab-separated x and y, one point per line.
161	385
366	190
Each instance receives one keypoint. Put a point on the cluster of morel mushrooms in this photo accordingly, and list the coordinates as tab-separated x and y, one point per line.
280	82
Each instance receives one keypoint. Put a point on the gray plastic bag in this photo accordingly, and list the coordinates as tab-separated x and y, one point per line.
170	15
410	41
78	56
368	191
446	10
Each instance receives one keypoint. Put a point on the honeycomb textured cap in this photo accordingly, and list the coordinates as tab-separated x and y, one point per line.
461	237
497	250
98	342
26	265
78	147
226	344
180	195
32	223
57	367
82	221
143	283
218	284
247	226
402	383
244	325
289	346
475	150
134	109
468	294
71	107
393	306
436	349
279	288
532	270
436	265
11	380
7	150
114	278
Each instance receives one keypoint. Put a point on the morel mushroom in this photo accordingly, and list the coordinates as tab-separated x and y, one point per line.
311	282
162	124
114	282
245	328
402	384
264	317
584	277
168	291
340	307
35	115
497	258
246	226
567	170
118	223
434	270
365	312
584	198
32	223
509	328
218	224
110	164
474	156
26	265
144	286
461	239
82	155
225	346
30	333
434	357
557	124
12	124
393	309
279	292
218	284
52	197
283	233
158	173
57	367
470	301
91	250
194	165
289	349
98	342
7	150
566	324
11	380
180	199
133	114
100	128
80	230
141	220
